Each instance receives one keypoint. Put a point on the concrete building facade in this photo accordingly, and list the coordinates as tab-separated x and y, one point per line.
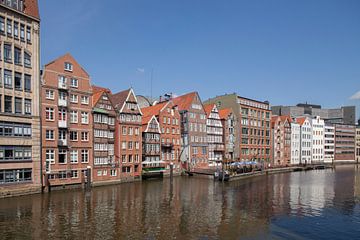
215	135
329	143
20	158
357	147
342	115
317	125
295	143
252	134
305	140
67	142
344	143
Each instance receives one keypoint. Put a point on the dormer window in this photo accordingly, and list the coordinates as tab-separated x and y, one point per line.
68	66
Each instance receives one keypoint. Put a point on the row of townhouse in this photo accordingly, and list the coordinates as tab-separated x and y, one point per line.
306	140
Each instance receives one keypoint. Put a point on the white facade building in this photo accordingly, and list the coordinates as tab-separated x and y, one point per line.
329	143
295	143
305	140
317	125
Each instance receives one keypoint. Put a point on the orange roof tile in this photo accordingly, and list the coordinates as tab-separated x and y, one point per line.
208	108
98	92
183	102
153	110
224	113
300	120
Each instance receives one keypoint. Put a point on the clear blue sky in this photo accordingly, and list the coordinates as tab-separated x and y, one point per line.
284	51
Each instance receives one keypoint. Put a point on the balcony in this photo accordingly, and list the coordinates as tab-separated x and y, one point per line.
62	102
219	147
62	142
167	145
62	85
62	124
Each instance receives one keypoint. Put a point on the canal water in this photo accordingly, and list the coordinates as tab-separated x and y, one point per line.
321	204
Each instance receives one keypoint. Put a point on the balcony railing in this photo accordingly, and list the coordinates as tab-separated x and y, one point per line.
167	145
62	102
62	124
62	85
62	142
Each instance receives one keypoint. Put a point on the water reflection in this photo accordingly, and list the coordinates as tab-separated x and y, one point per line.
295	205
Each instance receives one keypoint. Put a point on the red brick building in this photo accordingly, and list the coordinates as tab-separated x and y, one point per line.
105	167
128	132
151	161
168	116
228	122
344	143
194	152
281	137
66	119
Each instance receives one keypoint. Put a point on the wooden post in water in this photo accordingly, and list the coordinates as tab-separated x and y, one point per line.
88	178
171	172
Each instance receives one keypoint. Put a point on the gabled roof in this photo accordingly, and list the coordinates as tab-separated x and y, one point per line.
31	8
208	108
224	113
98	92
282	118
145	122
57	65
184	102
301	120
118	99
153	110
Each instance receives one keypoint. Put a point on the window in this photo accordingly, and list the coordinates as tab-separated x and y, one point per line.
123	158
68	66
74	82
8	104
28	34
74	174
124	131
137	145
85	136
9	27
50	156
84	156
123	145
73	98
22	32
27	80
73	156
130	145
50	135
16	29
17	56
49	94
27	60
7	53
136	131
8	78
84	117
73	136
84	100
27	105
18	81
49	114
130	131
18	105
73	116
62	156
2	25
113	172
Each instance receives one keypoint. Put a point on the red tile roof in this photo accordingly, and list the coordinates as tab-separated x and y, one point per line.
119	98
208	108
224	113
300	120
282	119
183	102
98	92
153	110
31	8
